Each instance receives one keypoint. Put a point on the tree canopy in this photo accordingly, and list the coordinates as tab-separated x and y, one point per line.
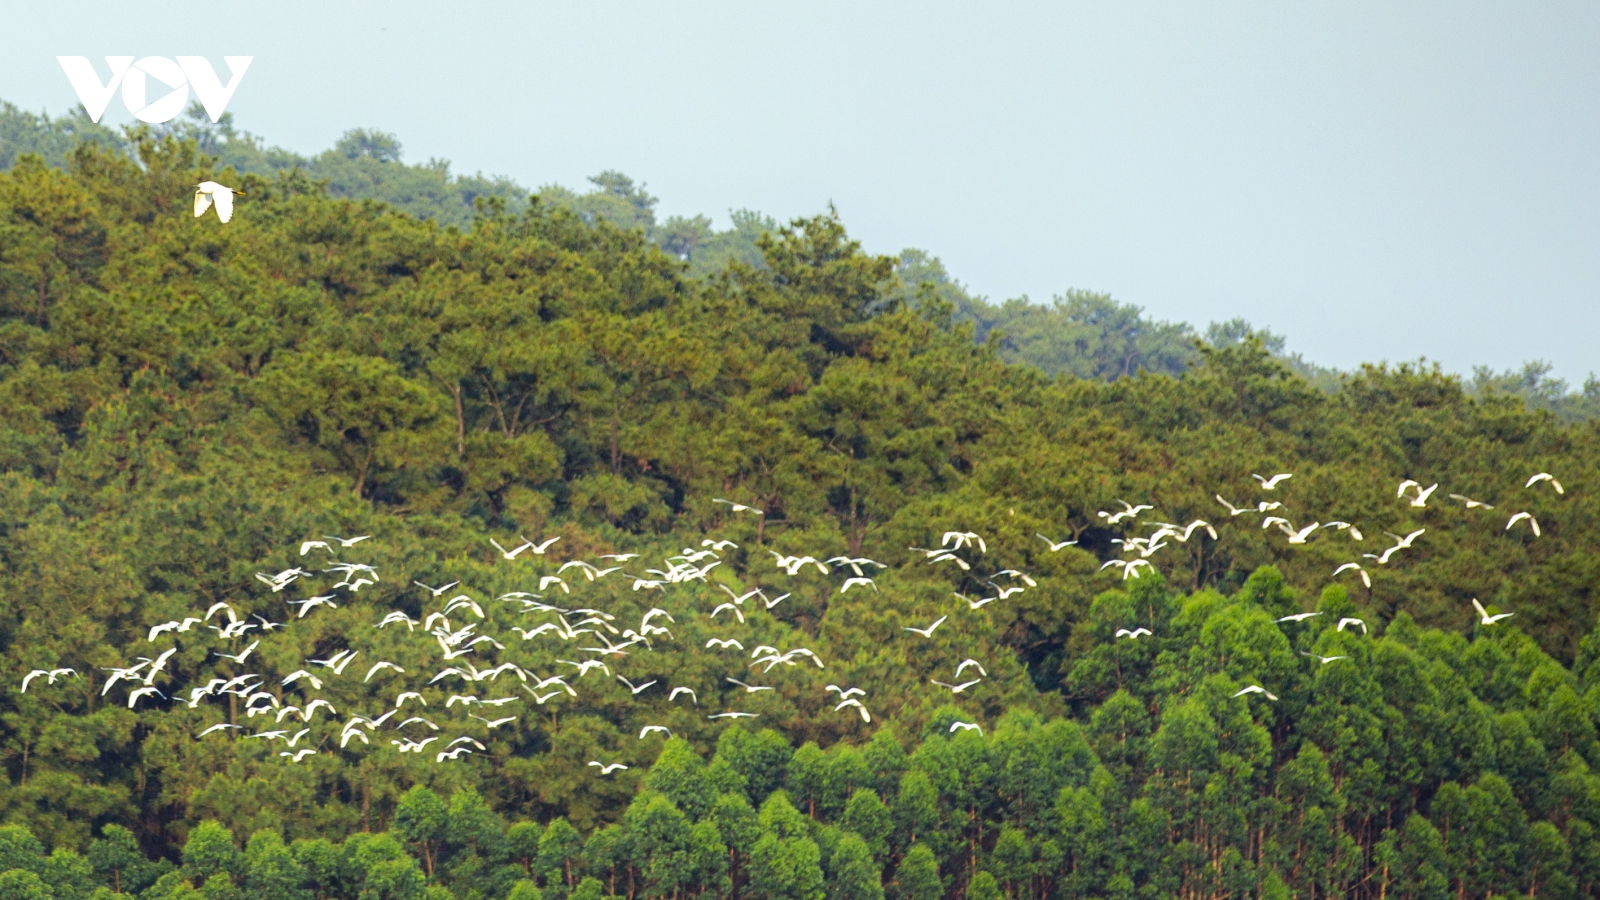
184	402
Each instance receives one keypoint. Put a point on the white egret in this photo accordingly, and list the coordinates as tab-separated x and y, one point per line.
1256	689
208	192
1483	614
1532	522
927	632
738	507
1055	546
1545	476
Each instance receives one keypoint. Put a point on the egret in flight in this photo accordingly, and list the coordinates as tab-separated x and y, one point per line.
1256	689
1545	476
208	192
1483	614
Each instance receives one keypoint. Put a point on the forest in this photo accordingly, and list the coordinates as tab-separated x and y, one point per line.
185	403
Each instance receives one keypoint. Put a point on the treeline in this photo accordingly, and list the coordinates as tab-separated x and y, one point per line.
182	402
1420	765
1079	333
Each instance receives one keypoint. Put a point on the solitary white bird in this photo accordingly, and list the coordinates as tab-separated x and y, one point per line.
980	603
1350	620
1355	533
492	724
739	599
843	693
1256	689
865	716
1135	633
1324	659
511	554
586	666
683	690
209	192
1532	522
965	726
927	632
751	688
734	715
1545	476
1471	503
649	728
738	507
607	768
1298	617
218	727
729	607
1484	616
298	755
134	695
1365	578
310	603
1269	484
1055	546
298	674
347	543
1299	537
379	666
722	644
973	663
1233	510
1405	542
633	688
851	582
1423	493
958	688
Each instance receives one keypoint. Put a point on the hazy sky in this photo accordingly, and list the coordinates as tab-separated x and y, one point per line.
1372	180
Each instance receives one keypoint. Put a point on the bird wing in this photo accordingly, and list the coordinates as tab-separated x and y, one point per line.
1479	607
224	201
202	202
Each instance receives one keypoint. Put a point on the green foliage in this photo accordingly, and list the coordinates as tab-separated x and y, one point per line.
184	402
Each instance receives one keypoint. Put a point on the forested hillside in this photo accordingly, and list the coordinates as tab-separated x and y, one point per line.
182	403
1081	333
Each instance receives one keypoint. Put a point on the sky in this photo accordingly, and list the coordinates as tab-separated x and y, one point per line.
1375	181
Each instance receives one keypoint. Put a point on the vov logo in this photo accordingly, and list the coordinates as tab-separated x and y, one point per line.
134	79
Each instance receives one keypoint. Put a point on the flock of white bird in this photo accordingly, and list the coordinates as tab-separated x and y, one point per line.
457	644
1419	495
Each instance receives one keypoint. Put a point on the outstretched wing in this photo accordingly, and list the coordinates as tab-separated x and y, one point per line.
224	201
202	202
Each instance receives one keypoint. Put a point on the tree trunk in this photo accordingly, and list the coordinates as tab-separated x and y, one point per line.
461	421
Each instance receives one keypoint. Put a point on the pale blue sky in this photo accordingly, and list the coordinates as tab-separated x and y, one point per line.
1372	180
